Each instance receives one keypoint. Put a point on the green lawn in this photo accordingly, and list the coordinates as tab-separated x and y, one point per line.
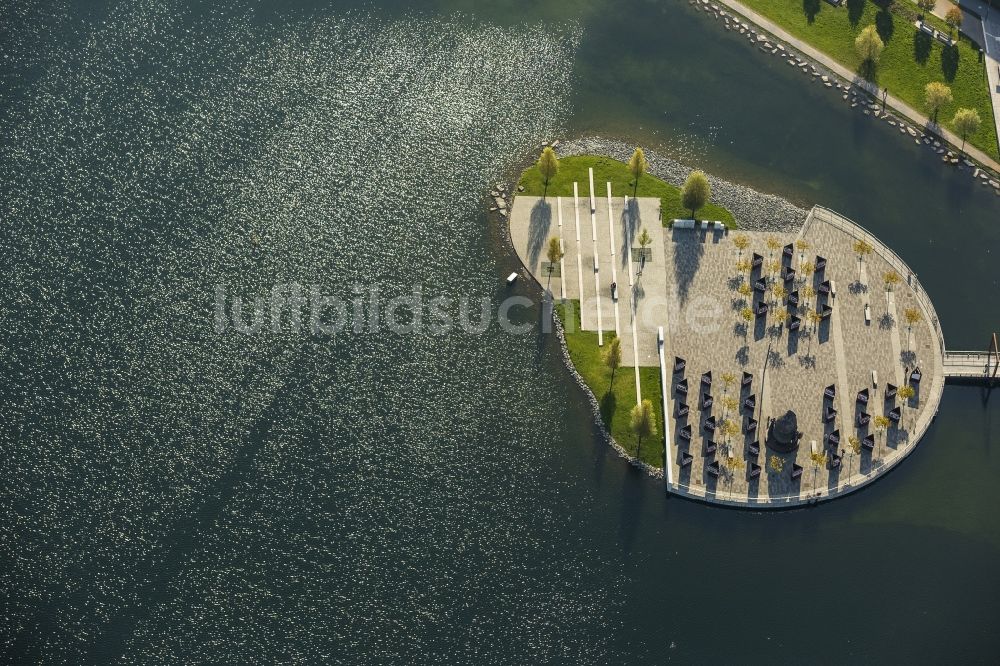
619	401
909	62
574	169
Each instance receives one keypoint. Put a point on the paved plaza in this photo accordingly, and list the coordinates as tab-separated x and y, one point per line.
598	253
691	285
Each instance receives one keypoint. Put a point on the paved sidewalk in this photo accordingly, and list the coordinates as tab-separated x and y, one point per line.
985	21
918	118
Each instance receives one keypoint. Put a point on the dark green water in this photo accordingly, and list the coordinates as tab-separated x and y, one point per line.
174	495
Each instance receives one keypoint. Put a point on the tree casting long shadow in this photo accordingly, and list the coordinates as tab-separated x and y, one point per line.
688	251
538	230
631	221
810	8
855	8
922	43
608	405
949	62
868	71
884	24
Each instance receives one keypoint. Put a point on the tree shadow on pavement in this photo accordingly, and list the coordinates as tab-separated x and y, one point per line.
538	230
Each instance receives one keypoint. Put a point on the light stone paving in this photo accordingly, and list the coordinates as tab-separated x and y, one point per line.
531	227
842	351
690	286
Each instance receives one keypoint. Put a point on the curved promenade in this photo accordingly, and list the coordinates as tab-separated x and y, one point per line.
692	285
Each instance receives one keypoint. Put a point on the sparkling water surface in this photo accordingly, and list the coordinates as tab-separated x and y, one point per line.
174	494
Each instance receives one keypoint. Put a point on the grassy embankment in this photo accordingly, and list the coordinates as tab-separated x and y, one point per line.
909	62
618	401
574	169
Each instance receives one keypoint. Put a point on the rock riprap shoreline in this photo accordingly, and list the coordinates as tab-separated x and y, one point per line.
753	210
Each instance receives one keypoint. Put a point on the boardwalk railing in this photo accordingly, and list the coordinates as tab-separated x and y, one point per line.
969	364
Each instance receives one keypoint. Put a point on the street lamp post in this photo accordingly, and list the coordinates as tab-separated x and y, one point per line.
885	93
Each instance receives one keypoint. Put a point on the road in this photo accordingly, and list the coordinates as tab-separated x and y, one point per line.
982	24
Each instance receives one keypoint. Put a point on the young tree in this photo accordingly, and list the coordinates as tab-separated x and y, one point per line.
776	464
818	460
772	245
553	253
905	393
644	240
881	423
808	292
926	5
746	314
642	422
863	249
912	316
728	379
806	269
729	404
802	244
891	279
778	293
814	318
855	445
745	290
637	166
696	191
780	317
953	17
733	465
743	266
548	166
966	122
774	267
741	242
869	46
936	95
728	429
613	359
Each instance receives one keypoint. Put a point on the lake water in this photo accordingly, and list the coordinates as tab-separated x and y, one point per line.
176	494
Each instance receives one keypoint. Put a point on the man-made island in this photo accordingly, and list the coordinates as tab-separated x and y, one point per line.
793	366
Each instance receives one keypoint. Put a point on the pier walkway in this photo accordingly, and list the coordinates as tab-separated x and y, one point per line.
974	365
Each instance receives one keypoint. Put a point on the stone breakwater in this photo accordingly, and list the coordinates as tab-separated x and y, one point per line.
595	406
861	95
753	210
